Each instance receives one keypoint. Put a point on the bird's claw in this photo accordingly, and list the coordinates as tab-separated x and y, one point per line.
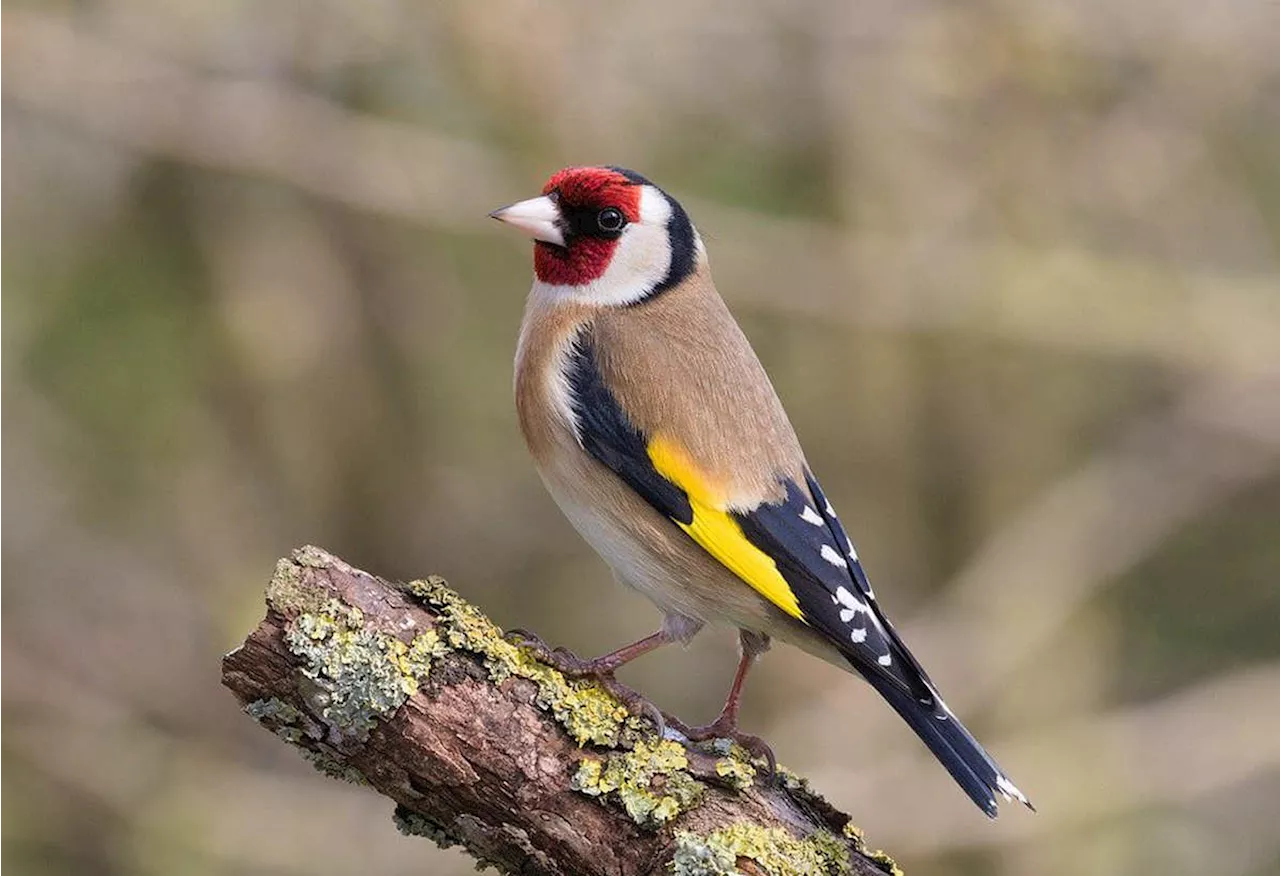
525	639
601	672
724	728
561	658
636	703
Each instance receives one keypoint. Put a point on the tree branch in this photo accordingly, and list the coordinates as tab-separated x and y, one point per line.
412	691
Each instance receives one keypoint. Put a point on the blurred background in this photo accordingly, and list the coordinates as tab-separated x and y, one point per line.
1014	268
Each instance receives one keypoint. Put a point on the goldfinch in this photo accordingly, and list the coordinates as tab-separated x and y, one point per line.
657	432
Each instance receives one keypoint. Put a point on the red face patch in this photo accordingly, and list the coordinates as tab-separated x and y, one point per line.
586	258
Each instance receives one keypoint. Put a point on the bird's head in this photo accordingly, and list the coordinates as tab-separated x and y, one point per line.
606	235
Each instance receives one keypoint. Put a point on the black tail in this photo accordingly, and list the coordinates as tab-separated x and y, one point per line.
953	745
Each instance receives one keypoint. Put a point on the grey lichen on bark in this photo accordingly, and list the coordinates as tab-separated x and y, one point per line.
412	691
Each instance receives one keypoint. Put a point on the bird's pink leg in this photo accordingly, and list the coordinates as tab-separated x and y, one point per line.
726	725
607	663
573	665
727	722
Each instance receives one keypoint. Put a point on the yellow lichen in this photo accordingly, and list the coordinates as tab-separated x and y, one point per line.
772	849
888	864
316	558
793	781
414	659
651	781
358	673
286	592
737	773
586	710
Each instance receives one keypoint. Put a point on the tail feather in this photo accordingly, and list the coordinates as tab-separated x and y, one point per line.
953	745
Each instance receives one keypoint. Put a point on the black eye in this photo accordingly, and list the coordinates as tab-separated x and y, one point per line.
610	220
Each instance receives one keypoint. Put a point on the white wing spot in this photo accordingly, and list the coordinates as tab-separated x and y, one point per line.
859	635
1009	789
844	596
884	659
808	515
830	511
853	554
852	604
832	556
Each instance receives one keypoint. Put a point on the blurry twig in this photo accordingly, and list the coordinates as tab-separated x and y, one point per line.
1096	523
1067	298
1100	767
162	107
157	106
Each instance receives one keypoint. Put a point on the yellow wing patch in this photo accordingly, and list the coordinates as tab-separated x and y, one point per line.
716	531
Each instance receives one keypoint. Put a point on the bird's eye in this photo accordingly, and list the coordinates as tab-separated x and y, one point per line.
610	219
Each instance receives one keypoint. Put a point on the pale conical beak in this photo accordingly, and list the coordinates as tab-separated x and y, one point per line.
537	217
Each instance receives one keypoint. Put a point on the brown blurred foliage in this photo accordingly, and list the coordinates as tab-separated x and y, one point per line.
1014	269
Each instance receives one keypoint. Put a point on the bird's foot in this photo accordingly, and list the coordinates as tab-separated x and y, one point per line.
599	670
561	658
726	727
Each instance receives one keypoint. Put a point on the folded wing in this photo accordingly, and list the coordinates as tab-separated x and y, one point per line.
794	552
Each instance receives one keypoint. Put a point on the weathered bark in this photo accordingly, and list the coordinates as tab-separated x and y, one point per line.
412	691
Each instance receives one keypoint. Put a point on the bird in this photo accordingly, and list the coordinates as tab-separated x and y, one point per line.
658	433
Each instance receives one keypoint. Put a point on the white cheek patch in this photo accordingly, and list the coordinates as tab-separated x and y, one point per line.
654	208
640	262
